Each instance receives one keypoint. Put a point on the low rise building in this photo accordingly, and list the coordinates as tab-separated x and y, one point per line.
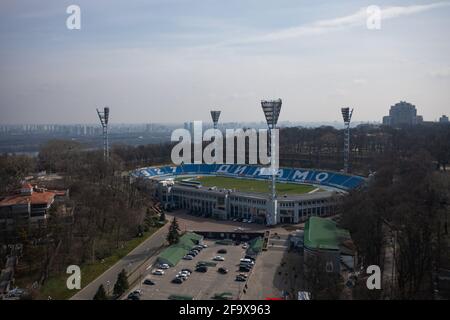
29	205
330	244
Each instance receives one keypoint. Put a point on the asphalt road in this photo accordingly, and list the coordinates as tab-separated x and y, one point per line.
131	262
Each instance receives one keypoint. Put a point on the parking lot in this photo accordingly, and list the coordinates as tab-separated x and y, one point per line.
200	286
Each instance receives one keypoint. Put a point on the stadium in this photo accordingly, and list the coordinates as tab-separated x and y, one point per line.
241	192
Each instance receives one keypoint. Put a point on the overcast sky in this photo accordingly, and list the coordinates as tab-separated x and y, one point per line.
174	60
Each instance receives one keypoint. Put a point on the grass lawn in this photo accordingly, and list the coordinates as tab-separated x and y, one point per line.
56	288
247	185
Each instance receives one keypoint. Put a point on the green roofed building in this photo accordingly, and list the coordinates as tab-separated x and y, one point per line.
323	238
173	254
255	246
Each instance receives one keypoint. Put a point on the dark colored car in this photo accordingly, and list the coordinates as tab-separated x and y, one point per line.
134	296
202	269
240	278
148	282
222	251
244	269
177	281
222	270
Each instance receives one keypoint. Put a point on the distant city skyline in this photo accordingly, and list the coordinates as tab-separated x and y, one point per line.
172	61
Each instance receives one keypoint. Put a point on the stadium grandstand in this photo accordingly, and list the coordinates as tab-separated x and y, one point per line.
180	187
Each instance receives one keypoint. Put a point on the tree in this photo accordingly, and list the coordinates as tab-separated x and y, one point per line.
101	294
321	284
148	220
121	284
162	217
174	232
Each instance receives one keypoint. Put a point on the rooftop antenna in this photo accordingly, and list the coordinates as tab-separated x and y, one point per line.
104	118
271	109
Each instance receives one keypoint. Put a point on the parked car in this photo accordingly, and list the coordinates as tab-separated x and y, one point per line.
244	220
177	280
184	273
188	257
244	269
223	251
247	261
204	245
181	276
219	258
240	278
193	253
222	270
164	266
187	270
158	272
245	246
149	282
202	269
132	296
135	295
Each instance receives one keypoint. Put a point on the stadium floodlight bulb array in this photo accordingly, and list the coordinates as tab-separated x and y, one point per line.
272	109
347	116
104	119
215	118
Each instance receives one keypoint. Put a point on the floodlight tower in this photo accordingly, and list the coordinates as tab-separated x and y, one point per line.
271	109
215	118
347	116
104	118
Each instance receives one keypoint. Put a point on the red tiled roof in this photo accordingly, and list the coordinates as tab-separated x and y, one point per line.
45	197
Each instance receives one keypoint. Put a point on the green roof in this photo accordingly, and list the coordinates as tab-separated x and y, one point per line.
173	254
323	233
255	246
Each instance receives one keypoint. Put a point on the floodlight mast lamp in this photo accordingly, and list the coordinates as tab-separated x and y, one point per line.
104	119
271	109
347	116
215	118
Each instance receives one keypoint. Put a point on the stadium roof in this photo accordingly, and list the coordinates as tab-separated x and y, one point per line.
323	234
173	254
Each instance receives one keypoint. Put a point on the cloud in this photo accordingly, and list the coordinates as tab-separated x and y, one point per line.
357	18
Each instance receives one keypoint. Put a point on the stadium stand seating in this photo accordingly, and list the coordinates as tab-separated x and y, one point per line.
295	175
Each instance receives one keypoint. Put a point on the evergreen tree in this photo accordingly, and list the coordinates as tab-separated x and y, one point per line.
174	232
121	284
101	294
